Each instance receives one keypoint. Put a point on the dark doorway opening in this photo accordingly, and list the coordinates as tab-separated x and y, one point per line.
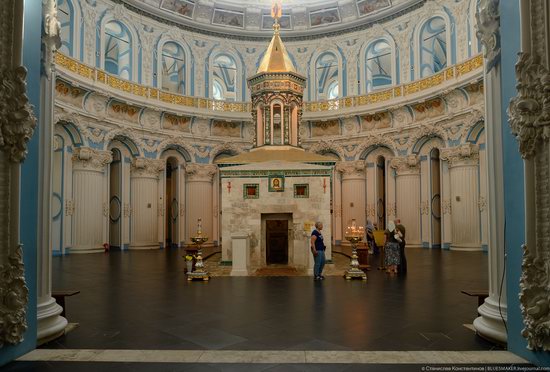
277	241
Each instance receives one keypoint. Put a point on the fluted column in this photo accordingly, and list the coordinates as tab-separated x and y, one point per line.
463	164
199	199
494	311
408	196
146	209
353	192
90	199
50	322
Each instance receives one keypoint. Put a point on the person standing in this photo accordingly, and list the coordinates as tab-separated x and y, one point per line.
392	256
318	250
402	267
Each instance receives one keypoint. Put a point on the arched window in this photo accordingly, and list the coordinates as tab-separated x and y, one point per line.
379	65
433	46
65	16
332	91
173	68
217	92
224	85
118	51
326	76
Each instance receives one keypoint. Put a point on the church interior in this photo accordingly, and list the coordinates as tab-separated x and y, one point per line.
274	185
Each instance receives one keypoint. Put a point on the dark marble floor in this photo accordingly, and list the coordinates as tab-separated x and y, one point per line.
142	300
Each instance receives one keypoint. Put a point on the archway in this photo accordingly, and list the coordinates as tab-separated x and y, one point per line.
381	192
435	198
172	202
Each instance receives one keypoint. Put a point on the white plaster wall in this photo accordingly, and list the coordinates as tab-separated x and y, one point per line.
144	212
353	200
89	218
408	206
465	209
199	205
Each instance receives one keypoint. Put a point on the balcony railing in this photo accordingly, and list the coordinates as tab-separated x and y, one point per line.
101	77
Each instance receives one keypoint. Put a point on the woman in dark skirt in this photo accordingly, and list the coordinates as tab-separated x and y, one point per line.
393	256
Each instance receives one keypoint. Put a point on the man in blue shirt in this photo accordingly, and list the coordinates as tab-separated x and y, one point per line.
318	249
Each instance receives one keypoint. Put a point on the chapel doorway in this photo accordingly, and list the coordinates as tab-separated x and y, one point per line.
277	242
381	192
435	171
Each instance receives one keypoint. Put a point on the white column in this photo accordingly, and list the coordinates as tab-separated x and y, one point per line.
353	192
145	179
446	211
50	323
425	201
199	199
407	184
337	206
181	201
90	199
463	164
216	208
493	312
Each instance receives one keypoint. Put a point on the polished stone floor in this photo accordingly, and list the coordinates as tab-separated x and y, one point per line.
141	300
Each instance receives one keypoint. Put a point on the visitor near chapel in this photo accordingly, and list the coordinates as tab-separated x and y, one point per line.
318	250
392	248
402	267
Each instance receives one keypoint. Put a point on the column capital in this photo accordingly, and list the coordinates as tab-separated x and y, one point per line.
92	159
201	172
351	169
466	154
144	167
409	164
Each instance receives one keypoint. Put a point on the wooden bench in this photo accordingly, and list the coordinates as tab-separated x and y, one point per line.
60	298
480	294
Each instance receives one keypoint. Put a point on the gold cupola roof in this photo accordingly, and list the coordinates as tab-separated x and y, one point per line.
276	58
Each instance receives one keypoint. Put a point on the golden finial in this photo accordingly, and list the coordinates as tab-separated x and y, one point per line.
277	10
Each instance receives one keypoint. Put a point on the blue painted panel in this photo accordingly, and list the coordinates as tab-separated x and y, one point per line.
29	179
150	155
446	246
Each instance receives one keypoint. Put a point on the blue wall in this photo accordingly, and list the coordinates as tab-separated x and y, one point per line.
29	178
513	186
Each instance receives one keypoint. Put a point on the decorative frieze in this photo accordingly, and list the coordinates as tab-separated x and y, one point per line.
17	121
91	159
462	155
144	167
406	165
201	172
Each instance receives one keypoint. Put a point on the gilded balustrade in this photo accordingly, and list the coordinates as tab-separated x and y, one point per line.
454	72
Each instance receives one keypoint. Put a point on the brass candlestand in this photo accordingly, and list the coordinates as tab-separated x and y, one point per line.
199	272
354	234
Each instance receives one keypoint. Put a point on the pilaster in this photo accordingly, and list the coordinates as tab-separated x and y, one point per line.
407	202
